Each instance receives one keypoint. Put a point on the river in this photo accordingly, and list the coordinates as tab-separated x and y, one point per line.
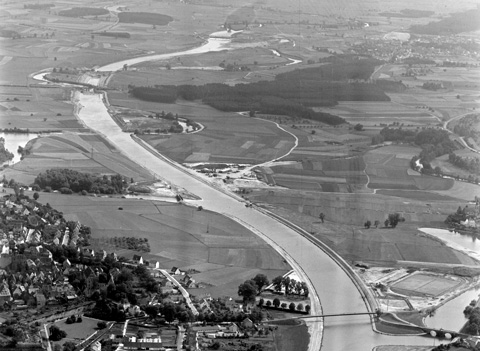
450	316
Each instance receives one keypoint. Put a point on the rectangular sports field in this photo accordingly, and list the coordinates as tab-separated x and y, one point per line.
425	284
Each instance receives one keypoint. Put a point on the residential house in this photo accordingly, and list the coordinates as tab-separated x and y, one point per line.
137	259
175	271
100	254
5	295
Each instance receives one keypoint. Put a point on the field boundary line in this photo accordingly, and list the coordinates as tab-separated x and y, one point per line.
295	145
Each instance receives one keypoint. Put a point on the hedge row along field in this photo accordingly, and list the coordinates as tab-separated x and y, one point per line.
145	18
83	11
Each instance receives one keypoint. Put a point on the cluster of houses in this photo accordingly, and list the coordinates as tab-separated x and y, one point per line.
25	221
433	47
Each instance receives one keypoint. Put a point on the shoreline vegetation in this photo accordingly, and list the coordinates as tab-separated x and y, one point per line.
5	155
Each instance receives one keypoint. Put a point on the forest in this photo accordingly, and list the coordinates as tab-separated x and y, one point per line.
457	23
292	93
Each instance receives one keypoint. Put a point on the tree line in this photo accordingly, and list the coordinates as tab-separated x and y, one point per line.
471	164
70	181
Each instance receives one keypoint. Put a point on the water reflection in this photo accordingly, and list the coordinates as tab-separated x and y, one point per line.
13	141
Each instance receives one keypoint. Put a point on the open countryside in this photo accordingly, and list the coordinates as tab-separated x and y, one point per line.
230	176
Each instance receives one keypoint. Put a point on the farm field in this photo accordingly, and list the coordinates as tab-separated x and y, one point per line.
344	232
343	208
80	152
389	168
227	137
343	175
224	252
372	114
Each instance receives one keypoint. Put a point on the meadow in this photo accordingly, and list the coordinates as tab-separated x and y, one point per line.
344	232
81	152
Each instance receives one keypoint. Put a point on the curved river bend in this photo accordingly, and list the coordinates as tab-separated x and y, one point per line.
332	285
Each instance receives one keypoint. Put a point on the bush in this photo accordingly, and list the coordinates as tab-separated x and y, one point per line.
66	191
101	325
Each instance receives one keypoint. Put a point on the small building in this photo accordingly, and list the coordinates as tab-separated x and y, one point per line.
137	259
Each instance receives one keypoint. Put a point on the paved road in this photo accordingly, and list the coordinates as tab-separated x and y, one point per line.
184	292
326	279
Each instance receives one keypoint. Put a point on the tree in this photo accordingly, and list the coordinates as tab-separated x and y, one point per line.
368	224
286	284
376	223
283	305
300	307
321	216
291	307
36	196
276	302
248	290
101	325
151	311
269	303
261	302
277	283
394	219
387	222
69	346
56	333
358	127
261	280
